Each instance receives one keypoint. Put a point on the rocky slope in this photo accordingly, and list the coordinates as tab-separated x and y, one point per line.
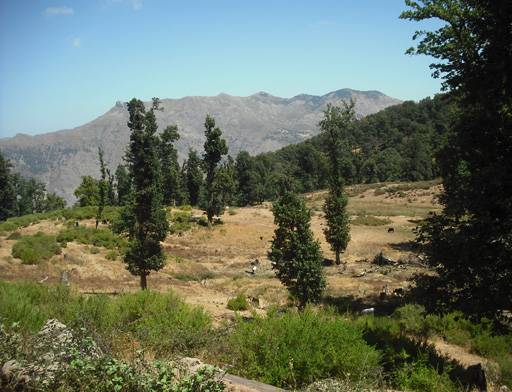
257	123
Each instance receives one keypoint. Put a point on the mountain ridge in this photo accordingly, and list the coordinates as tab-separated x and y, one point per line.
257	123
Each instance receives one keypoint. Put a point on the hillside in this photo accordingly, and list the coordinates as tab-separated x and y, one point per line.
257	123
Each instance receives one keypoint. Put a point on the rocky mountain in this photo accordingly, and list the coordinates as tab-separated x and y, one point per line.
257	123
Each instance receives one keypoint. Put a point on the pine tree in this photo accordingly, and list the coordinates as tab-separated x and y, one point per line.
7	194
214	148
111	192
173	191
193	177
335	129
295	254
103	187
144	218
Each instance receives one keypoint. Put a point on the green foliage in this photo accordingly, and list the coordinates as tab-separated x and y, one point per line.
193	177
214	148
111	255
124	185
172	182
36	248
15	235
470	243
97	237
102	188
419	376
238	303
88	192
80	366
292	350
370	220
337	230
161	322
295	254
180	221
144	219
7	195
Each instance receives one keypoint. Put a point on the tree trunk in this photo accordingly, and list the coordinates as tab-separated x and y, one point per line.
97	222
338	258
144	281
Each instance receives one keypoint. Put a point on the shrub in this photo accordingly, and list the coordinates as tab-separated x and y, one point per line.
16	235
238	303
296	349
162	322
111	255
180	221
411	318
97	237
36	248
370	220
419	376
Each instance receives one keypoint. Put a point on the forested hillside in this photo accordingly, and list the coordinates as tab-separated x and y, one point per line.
397	143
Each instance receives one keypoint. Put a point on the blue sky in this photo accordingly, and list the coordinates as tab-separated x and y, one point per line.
63	63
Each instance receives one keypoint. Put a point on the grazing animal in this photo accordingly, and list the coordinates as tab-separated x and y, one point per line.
77	223
391	230
368	311
261	238
399	292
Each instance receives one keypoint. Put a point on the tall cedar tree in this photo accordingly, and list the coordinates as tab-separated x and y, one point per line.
193	177
7	194
334	126
103	187
295	254
173	192
471	241
144	218
214	148
124	185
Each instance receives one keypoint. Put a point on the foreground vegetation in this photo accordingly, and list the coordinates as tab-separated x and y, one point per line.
289	349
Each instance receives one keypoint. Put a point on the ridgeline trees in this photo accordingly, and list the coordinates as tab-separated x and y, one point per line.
214	148
470	243
144	219
193	177
334	126
295	254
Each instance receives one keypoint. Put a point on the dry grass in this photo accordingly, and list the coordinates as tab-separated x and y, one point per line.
208	266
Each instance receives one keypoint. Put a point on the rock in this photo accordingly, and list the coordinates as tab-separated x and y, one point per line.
191	364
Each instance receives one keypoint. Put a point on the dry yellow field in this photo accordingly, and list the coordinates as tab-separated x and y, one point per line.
207	267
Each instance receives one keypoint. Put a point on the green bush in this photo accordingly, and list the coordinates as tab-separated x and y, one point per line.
111	255
419	376
88	235
36	248
370	220
180	221
238	303
162	322
295	349
411	319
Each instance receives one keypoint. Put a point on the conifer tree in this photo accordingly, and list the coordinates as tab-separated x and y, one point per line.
214	148
124	185
7	194
335	126
193	177
295	254
87	192
103	187
144	218
173	192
